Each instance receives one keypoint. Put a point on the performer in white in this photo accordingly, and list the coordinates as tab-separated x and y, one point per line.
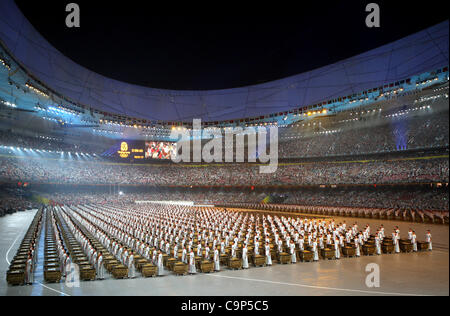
315	250
321	243
207	253
357	249
131	267
216	260
301	243
160	264
192	269
29	271
414	241
233	250
280	246
292	251
184	256
222	247
175	251
99	266
410	233
147	252
245	257
199	250
377	245
395	239
268	255
337	252
429	240
67	265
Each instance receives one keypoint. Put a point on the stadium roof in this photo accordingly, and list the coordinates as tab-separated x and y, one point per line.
421	52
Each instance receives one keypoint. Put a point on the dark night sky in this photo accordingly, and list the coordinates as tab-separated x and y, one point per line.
220	44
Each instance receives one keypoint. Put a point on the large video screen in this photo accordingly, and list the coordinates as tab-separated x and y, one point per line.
131	150
160	150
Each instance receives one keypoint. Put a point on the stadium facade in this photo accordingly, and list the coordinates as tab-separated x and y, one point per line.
58	81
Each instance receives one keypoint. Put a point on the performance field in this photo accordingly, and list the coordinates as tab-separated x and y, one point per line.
325	270
223	158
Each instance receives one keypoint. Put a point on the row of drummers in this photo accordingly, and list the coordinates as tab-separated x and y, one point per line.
58	244
126	262
234	256
88	257
71	260
21	268
133	260
325	239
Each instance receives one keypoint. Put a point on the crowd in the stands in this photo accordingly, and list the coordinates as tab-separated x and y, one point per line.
11	201
43	142
358	137
406	129
362	172
411	198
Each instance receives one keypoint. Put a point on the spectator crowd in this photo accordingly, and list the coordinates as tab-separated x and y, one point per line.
12	201
411	198
382	135
41	142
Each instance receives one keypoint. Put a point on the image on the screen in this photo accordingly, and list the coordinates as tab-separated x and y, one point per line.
160	150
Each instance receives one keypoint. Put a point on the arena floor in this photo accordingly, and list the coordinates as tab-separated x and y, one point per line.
401	274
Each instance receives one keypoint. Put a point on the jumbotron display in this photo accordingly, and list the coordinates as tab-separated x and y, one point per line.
140	150
160	150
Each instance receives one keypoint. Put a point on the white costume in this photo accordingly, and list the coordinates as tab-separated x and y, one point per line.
396	243
244	258
293	254
429	241
131	268
377	245
100	269
160	265
414	242
357	251
233	251
175	251
192	269
216	260
315	251
268	256
301	244
29	271
337	251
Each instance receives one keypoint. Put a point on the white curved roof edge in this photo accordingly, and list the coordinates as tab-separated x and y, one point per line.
424	51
